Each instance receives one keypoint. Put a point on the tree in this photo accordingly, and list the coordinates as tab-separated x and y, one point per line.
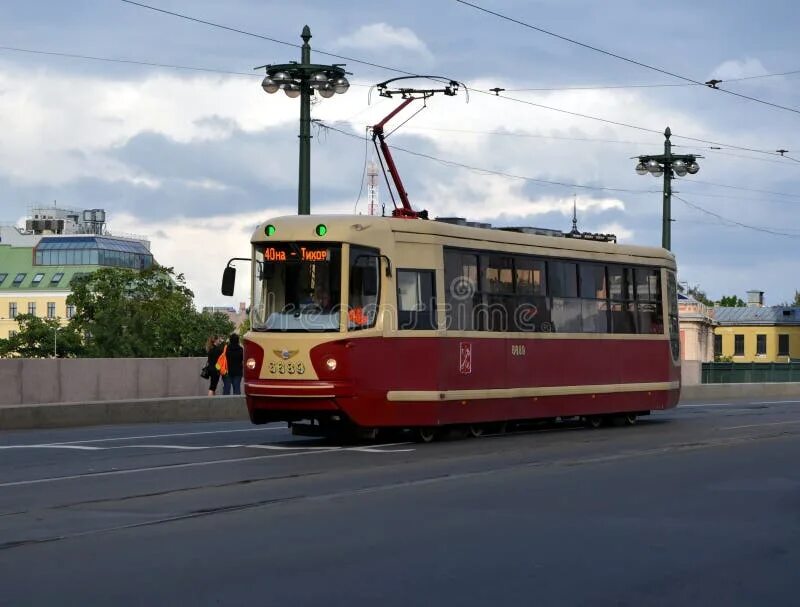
146	314
695	292
795	303
731	301
41	338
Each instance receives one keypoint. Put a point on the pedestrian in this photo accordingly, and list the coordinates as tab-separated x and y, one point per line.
214	349
235	356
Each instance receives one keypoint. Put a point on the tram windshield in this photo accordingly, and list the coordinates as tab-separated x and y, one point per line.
297	287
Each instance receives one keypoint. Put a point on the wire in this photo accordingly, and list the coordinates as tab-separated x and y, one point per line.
620	57
397	70
130	61
492	171
648	86
254	35
772	231
735	187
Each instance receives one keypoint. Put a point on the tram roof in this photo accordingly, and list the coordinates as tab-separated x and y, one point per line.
346	228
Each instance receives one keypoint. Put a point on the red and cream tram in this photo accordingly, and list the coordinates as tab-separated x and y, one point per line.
387	322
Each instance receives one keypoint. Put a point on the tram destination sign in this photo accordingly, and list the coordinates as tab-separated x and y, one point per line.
293	252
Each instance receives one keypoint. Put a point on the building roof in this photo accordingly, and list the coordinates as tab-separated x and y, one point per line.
774	315
19	260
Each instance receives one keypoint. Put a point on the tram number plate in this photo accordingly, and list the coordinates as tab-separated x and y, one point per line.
517	350
290	368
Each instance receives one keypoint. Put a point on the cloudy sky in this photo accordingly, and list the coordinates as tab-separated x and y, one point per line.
195	159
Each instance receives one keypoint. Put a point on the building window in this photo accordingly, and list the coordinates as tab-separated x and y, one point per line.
51	309
32	308
3	278
56	278
718	345
70	310
19	278
761	345
12	310
738	345
783	345
37	278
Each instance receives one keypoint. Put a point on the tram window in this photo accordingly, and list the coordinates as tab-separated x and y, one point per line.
461	290
416	300
593	281
529	275
623	317
620	282
364	292
563	279
532	313
595	316
499	275
566	315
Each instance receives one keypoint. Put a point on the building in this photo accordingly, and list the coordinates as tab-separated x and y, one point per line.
38	262
697	324
757	334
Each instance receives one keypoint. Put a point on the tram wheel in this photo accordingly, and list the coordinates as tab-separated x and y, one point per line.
476	430
595	421
629	419
427	434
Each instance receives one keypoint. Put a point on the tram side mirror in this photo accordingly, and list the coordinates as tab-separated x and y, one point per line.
228	280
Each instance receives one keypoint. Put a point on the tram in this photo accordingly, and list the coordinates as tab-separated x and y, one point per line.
384	322
368	323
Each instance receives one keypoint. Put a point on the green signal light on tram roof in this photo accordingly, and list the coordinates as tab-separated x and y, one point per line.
269	230
321	229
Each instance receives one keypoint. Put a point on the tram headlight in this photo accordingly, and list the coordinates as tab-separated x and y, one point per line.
331	364
251	363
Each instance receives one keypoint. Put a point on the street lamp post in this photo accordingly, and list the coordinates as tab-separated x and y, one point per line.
669	165
303	80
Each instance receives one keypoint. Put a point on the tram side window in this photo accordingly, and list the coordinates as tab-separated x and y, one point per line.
364	288
594	298
416	300
566	311
650	314
621	294
461	290
497	272
532	310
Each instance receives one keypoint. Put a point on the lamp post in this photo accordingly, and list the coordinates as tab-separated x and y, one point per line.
303	80
669	165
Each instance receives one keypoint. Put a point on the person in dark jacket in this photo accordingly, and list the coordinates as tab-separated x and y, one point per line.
235	356
214	349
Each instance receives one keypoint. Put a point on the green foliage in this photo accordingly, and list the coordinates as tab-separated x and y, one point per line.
147	314
244	327
695	292
41	338
731	301
793	303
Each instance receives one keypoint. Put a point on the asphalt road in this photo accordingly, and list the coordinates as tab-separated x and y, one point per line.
697	506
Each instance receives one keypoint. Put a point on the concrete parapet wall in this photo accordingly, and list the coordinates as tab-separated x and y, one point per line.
738	391
76	380
64	415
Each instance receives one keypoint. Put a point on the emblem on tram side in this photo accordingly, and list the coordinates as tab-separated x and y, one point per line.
285	354
465	358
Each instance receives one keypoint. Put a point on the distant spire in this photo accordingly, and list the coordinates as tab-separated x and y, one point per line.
575	229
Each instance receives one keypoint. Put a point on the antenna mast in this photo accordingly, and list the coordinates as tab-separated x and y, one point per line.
372	188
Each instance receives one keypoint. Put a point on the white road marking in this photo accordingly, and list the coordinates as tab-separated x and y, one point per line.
797	421
116	438
53	446
777	402
707	405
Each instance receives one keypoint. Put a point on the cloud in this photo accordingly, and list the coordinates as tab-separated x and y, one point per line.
381	36
735	68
